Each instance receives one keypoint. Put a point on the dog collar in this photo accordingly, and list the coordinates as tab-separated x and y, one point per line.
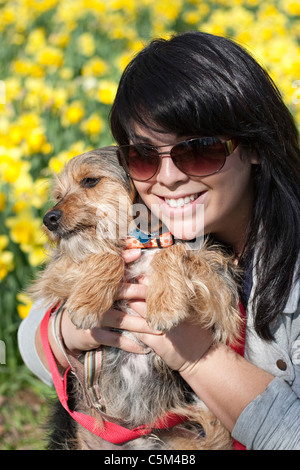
142	240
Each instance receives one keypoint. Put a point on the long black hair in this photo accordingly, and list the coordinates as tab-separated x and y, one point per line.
200	84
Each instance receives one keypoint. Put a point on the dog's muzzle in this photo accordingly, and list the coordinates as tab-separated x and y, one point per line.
51	219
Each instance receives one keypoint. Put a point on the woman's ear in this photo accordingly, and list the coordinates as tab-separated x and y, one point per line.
247	152
254	158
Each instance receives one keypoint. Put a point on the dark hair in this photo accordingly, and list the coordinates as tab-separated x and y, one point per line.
201	84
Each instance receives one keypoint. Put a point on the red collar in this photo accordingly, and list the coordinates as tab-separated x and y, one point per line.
112	432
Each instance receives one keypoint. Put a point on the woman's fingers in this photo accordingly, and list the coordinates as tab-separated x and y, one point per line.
124	321
77	340
118	340
131	255
132	291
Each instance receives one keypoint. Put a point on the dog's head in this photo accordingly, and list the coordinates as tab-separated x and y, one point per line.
93	199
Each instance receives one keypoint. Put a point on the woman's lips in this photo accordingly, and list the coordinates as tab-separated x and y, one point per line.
182	203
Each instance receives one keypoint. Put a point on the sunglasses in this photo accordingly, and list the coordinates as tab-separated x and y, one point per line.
201	156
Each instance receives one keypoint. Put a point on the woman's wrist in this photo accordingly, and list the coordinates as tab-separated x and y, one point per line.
56	350
226	382
189	367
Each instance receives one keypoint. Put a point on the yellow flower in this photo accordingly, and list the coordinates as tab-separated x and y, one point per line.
20	206
13	89
24	305
35	41
23	310
6	258
56	164
2	202
3	242
29	120
36	140
59	39
11	171
86	44
59	98
9	15
107	91
95	67
123	60
37	255
66	73
25	230
93	125
50	57
21	231
293	7
6	263
16	134
28	193
191	17
21	67
73	114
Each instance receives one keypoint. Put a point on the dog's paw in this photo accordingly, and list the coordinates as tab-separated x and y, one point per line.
162	317
161	325
82	319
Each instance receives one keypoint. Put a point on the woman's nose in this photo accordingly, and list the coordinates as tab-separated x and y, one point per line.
169	174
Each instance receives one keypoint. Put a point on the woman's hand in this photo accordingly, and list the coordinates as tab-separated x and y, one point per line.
180	348
77	340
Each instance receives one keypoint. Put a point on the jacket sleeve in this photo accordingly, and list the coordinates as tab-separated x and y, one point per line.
26	342
272	420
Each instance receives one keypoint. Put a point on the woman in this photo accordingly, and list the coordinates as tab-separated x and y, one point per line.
198	121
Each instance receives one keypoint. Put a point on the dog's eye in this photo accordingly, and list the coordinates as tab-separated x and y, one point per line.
89	182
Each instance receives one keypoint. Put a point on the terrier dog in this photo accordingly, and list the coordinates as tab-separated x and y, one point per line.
84	274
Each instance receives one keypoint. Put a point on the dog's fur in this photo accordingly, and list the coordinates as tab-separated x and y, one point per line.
85	271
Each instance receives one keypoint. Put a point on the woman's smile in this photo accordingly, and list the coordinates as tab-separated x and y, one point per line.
181	201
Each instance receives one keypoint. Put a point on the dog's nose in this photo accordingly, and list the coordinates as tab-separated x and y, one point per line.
51	219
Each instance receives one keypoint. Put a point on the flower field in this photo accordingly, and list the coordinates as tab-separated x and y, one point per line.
60	63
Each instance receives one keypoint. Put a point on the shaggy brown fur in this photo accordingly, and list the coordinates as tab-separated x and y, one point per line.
85	271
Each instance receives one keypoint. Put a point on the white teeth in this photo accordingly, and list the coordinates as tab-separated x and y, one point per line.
181	201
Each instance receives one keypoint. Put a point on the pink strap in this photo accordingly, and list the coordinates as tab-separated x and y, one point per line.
110	431
239	345
240	349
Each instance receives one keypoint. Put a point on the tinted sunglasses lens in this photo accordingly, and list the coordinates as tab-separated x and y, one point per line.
142	163
199	157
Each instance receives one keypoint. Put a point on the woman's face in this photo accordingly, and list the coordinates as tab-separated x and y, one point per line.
179	200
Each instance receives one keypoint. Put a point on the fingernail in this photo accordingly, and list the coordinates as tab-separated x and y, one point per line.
147	350
135	251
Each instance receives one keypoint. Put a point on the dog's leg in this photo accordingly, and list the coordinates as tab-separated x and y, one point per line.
192	284
95	289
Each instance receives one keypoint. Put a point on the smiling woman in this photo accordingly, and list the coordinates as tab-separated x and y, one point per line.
196	87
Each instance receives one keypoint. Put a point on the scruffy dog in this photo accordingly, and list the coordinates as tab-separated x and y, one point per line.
84	274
